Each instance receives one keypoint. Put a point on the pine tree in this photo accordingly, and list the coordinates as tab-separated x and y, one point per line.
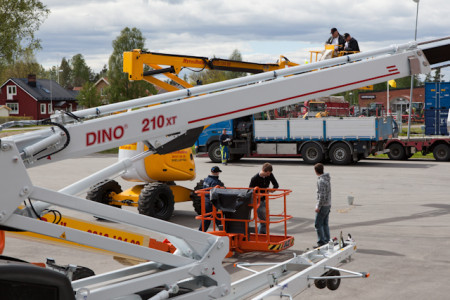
121	88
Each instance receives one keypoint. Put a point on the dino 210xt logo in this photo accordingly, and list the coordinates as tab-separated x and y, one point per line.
105	135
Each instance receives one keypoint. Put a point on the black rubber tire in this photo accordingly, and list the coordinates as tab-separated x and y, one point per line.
396	152
100	193
196	199
441	152
333	284
214	152
320	283
156	200
340	154
82	272
312	154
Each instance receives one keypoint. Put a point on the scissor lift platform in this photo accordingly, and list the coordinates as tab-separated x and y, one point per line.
232	207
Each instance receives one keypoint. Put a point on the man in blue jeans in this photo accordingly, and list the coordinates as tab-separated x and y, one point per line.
262	180
323	205
211	181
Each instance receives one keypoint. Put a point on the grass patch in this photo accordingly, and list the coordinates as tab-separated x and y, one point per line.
110	151
414	130
417	155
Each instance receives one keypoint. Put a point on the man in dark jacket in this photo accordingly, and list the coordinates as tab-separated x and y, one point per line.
263	180
211	181
336	39
323	205
350	43
224	139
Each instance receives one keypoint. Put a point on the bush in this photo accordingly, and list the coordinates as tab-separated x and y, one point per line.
9	119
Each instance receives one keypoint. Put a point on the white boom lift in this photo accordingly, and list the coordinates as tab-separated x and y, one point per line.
197	263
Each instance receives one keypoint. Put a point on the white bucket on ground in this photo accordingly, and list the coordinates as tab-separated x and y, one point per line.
350	200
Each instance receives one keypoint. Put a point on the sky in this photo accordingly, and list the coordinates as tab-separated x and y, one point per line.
261	30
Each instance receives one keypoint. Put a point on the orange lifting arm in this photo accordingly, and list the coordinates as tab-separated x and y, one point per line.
134	61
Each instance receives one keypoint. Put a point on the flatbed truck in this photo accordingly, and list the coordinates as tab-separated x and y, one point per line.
339	140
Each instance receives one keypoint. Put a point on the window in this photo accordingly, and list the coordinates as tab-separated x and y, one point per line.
43	106
11	90
50	108
101	92
14	108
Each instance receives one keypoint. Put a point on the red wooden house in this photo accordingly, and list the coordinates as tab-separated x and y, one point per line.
36	98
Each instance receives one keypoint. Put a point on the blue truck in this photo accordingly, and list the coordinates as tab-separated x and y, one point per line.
338	140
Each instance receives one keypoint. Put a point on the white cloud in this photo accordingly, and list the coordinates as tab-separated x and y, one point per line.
216	27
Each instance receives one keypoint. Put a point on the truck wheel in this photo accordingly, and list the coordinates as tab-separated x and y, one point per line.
396	152
441	152
340	154
321	283
312	154
156	200
333	284
196	199
101	192
214	152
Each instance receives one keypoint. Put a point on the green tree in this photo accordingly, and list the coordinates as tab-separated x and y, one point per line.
121	88
65	74
402	83
19	20
210	76
89	96
80	70
235	55
437	75
102	73
428	78
23	65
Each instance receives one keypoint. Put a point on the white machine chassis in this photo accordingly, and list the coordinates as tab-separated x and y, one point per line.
197	263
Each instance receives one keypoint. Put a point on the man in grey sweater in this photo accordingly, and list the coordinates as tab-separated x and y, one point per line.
323	205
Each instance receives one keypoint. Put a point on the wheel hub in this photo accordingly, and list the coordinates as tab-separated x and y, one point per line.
312	154
339	154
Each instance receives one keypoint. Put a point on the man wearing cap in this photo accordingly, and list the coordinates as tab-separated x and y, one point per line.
336	39
211	181
350	43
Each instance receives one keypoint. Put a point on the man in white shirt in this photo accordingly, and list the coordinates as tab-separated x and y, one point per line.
336	39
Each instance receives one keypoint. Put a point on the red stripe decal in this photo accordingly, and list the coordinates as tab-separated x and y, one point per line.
393	70
286	99
390	67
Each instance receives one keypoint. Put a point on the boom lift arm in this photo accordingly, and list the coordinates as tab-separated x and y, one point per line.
135	60
197	263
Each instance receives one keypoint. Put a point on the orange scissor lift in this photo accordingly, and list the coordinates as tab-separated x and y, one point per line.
237	226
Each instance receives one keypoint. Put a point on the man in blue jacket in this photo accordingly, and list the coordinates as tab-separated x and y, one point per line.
323	205
209	182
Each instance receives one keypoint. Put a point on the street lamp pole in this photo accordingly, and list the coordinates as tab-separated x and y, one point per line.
412	76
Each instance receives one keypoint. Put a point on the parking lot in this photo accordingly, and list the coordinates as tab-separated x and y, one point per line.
400	220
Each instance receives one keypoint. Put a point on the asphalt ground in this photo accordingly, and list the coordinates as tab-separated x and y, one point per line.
400	220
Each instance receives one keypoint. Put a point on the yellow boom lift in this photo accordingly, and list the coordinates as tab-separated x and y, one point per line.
157	192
